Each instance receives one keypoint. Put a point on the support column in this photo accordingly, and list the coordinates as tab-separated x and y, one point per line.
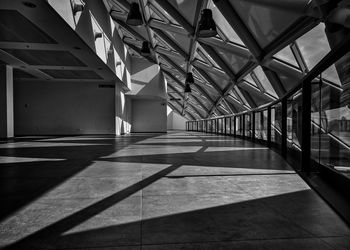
6	102
306	127
252	122
268	126
284	128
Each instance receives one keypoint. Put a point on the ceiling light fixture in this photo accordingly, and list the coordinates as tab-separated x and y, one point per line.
77	7
189	78
134	17
207	26
29	4
145	51
187	88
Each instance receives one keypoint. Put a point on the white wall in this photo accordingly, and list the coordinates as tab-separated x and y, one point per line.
148	95
147	79
175	121
122	113
110	48
62	108
149	115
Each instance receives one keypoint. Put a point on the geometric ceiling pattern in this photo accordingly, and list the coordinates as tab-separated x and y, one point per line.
262	49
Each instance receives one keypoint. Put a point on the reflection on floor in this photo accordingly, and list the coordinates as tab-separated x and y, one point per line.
149	191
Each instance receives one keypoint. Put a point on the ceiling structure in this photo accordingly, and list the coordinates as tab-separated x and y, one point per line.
40	45
262	50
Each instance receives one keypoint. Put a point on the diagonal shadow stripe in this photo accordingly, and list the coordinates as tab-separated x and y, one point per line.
57	228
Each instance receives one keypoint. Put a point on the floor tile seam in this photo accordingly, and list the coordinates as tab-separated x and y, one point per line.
95	247
78	198
183	194
229	176
141	213
323	239
138	178
230	194
230	241
98	198
334	236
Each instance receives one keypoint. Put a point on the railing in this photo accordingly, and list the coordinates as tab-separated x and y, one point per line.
309	126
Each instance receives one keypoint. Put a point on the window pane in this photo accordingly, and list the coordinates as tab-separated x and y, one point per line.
264	81
224	25
330	119
287	55
314	45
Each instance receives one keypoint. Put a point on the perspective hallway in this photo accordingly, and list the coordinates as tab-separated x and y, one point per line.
178	190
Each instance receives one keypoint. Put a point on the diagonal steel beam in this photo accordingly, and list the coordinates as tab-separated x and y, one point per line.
145	17
149	58
125	4
227	46
198	87
176	15
214	107
227	106
169	41
174	65
236	101
174	108
238	25
194	97
275	82
183	110
200	64
244	85
199	6
130	30
299	7
195	109
153	23
248	98
232	108
209	80
166	52
212	53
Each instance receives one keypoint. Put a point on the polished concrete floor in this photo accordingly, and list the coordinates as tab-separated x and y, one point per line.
179	190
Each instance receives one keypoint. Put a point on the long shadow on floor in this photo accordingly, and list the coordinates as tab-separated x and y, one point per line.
297	220
55	234
48	163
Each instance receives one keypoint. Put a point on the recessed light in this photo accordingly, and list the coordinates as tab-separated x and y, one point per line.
29	4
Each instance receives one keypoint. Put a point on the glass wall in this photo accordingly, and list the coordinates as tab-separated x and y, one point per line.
310	126
239	125
232	130
228	125
264	125
248	126
219	129
258	130
330	121
294	128
276	125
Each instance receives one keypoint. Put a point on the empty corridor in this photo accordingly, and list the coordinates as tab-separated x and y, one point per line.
179	190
